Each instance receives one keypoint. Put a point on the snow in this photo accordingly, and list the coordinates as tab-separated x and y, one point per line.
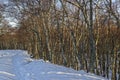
17	65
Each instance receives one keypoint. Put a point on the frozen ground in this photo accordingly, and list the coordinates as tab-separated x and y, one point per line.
17	65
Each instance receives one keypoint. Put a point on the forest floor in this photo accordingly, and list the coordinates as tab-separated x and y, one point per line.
17	65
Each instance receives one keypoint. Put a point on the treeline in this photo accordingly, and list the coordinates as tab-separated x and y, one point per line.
65	32
64	51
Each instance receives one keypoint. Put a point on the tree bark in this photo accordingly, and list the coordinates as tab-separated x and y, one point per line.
91	39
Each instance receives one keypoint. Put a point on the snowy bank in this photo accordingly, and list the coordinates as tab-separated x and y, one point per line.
26	68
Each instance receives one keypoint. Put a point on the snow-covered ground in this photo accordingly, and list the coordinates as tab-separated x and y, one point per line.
17	65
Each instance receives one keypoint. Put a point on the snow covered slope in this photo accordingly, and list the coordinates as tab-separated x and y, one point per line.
19	66
6	66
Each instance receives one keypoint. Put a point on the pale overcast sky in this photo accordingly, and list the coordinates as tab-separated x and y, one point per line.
3	1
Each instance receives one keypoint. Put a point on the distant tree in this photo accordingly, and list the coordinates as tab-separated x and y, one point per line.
1	11
113	10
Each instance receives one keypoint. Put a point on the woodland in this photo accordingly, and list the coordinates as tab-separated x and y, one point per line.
80	34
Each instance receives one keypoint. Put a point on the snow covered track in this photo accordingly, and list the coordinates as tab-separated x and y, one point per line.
6	67
17	65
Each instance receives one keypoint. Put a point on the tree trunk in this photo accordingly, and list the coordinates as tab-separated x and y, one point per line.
92	41
114	77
